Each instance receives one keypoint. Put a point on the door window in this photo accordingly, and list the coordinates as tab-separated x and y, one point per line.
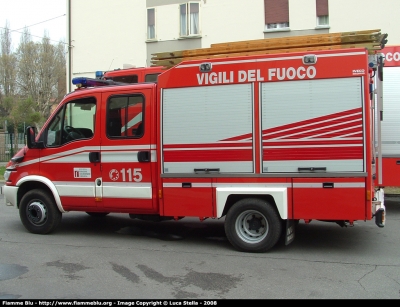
125	116
76	120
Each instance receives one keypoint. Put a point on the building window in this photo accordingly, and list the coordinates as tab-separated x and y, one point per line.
322	12
277	25
151	23
189	19
323	20
276	14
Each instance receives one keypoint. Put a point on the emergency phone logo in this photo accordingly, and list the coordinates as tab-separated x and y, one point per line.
82	172
114	174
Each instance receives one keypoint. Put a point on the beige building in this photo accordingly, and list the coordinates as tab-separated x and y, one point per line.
106	35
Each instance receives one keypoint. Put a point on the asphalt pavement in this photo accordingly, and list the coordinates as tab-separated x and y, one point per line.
115	257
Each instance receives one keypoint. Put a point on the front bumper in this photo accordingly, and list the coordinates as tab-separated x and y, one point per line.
10	195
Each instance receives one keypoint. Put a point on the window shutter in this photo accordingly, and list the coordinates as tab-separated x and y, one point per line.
150	17
183	9
194	8
276	11
322	7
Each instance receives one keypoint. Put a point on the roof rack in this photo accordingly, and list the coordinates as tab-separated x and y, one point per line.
372	40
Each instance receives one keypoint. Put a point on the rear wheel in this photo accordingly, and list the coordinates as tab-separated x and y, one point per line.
98	214
38	212
253	225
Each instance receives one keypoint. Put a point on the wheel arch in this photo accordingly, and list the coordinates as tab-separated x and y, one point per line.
29	183
227	197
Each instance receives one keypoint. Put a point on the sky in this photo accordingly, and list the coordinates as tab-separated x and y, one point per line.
37	15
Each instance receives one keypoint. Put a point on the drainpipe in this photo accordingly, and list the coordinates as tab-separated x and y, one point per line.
69	74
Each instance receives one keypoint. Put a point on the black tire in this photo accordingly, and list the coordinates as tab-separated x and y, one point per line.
253	225
38	212
98	214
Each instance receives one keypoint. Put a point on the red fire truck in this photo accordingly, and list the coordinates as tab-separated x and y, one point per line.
263	141
389	122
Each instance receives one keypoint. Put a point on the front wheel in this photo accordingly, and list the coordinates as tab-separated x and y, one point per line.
38	212
253	225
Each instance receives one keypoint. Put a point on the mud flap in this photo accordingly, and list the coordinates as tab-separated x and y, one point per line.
290	231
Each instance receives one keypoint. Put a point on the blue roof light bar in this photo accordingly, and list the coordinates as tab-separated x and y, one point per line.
90	82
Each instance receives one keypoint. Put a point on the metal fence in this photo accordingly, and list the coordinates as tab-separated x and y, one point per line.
7	145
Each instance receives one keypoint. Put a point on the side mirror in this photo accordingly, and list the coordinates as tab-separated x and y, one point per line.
31	138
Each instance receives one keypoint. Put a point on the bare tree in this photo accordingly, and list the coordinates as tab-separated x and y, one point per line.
51	74
8	70
32	79
41	73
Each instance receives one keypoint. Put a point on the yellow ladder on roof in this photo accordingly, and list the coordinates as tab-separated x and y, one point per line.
373	40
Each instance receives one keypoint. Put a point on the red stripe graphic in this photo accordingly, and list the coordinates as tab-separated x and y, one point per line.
331	137
337	124
208	155
324	153
219	145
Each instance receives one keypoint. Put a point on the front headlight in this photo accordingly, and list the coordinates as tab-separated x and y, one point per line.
7	175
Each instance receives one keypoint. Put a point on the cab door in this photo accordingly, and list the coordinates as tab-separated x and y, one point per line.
70	159
127	151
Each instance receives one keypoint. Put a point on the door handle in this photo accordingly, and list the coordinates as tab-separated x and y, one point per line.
144	156
94	157
311	169
206	170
